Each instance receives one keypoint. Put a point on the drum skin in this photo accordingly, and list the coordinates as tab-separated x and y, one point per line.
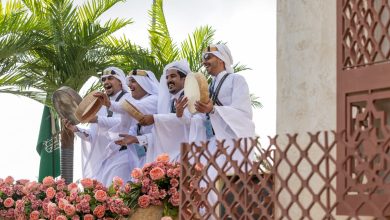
65	101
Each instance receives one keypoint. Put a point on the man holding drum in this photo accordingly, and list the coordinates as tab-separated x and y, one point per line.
144	90
169	131
95	138
230	110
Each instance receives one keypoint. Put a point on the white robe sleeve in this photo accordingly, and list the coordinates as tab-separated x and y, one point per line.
108	122
84	134
168	134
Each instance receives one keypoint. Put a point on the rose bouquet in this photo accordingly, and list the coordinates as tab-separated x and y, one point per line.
53	199
157	183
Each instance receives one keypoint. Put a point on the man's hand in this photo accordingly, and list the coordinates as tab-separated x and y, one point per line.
68	125
147	120
103	96
204	107
180	105
127	139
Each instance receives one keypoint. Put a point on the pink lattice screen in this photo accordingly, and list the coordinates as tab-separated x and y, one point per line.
365	32
295	177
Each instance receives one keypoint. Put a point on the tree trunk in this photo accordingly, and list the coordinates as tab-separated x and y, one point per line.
67	152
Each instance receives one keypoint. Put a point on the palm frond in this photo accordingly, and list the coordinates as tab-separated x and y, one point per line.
91	10
192	47
254	101
161	43
239	67
131	56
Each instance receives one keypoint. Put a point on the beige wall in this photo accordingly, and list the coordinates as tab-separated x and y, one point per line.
306	85
306	65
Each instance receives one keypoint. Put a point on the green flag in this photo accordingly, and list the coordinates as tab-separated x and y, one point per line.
48	146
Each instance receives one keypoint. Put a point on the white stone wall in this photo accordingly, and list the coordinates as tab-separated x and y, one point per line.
306	65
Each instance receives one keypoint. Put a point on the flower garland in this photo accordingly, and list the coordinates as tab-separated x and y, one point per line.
157	183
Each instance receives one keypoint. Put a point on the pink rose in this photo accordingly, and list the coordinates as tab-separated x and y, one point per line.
72	187
23	181
147	165
127	187
144	201
117	181
75	217
88	217
175	199
48	181
69	209
87	183
100	195
125	211
61	217
50	192
174	182
34	215
136	173
62	202
166	218
8	202
51	208
99	211
157	173
163	158
163	193
9	180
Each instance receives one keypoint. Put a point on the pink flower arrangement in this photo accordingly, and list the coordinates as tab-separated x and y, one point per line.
53	199
157	183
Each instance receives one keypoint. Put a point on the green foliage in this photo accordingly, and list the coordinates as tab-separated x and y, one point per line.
254	101
74	47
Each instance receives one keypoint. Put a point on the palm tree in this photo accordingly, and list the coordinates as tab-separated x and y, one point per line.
17	36
164	50
75	48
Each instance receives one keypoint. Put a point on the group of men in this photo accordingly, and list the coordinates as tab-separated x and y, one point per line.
115	143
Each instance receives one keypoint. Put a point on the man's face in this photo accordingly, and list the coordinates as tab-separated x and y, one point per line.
111	85
174	82
136	90
213	64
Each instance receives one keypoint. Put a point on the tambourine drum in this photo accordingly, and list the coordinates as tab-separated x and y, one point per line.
65	101
132	110
88	108
196	89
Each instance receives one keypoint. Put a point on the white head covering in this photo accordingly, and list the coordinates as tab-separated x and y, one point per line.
149	83
120	75
224	54
164	96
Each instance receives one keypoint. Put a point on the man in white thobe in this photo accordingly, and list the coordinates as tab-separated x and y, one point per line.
229	112
144	90
230	109
168	131
94	137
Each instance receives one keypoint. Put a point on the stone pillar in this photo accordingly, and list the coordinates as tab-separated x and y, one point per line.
306	88
306	66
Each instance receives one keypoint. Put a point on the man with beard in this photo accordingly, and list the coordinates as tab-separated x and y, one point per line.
229	112
168	131
144	90
95	138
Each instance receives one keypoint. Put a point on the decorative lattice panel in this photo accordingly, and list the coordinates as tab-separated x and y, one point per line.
365	32
294	177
